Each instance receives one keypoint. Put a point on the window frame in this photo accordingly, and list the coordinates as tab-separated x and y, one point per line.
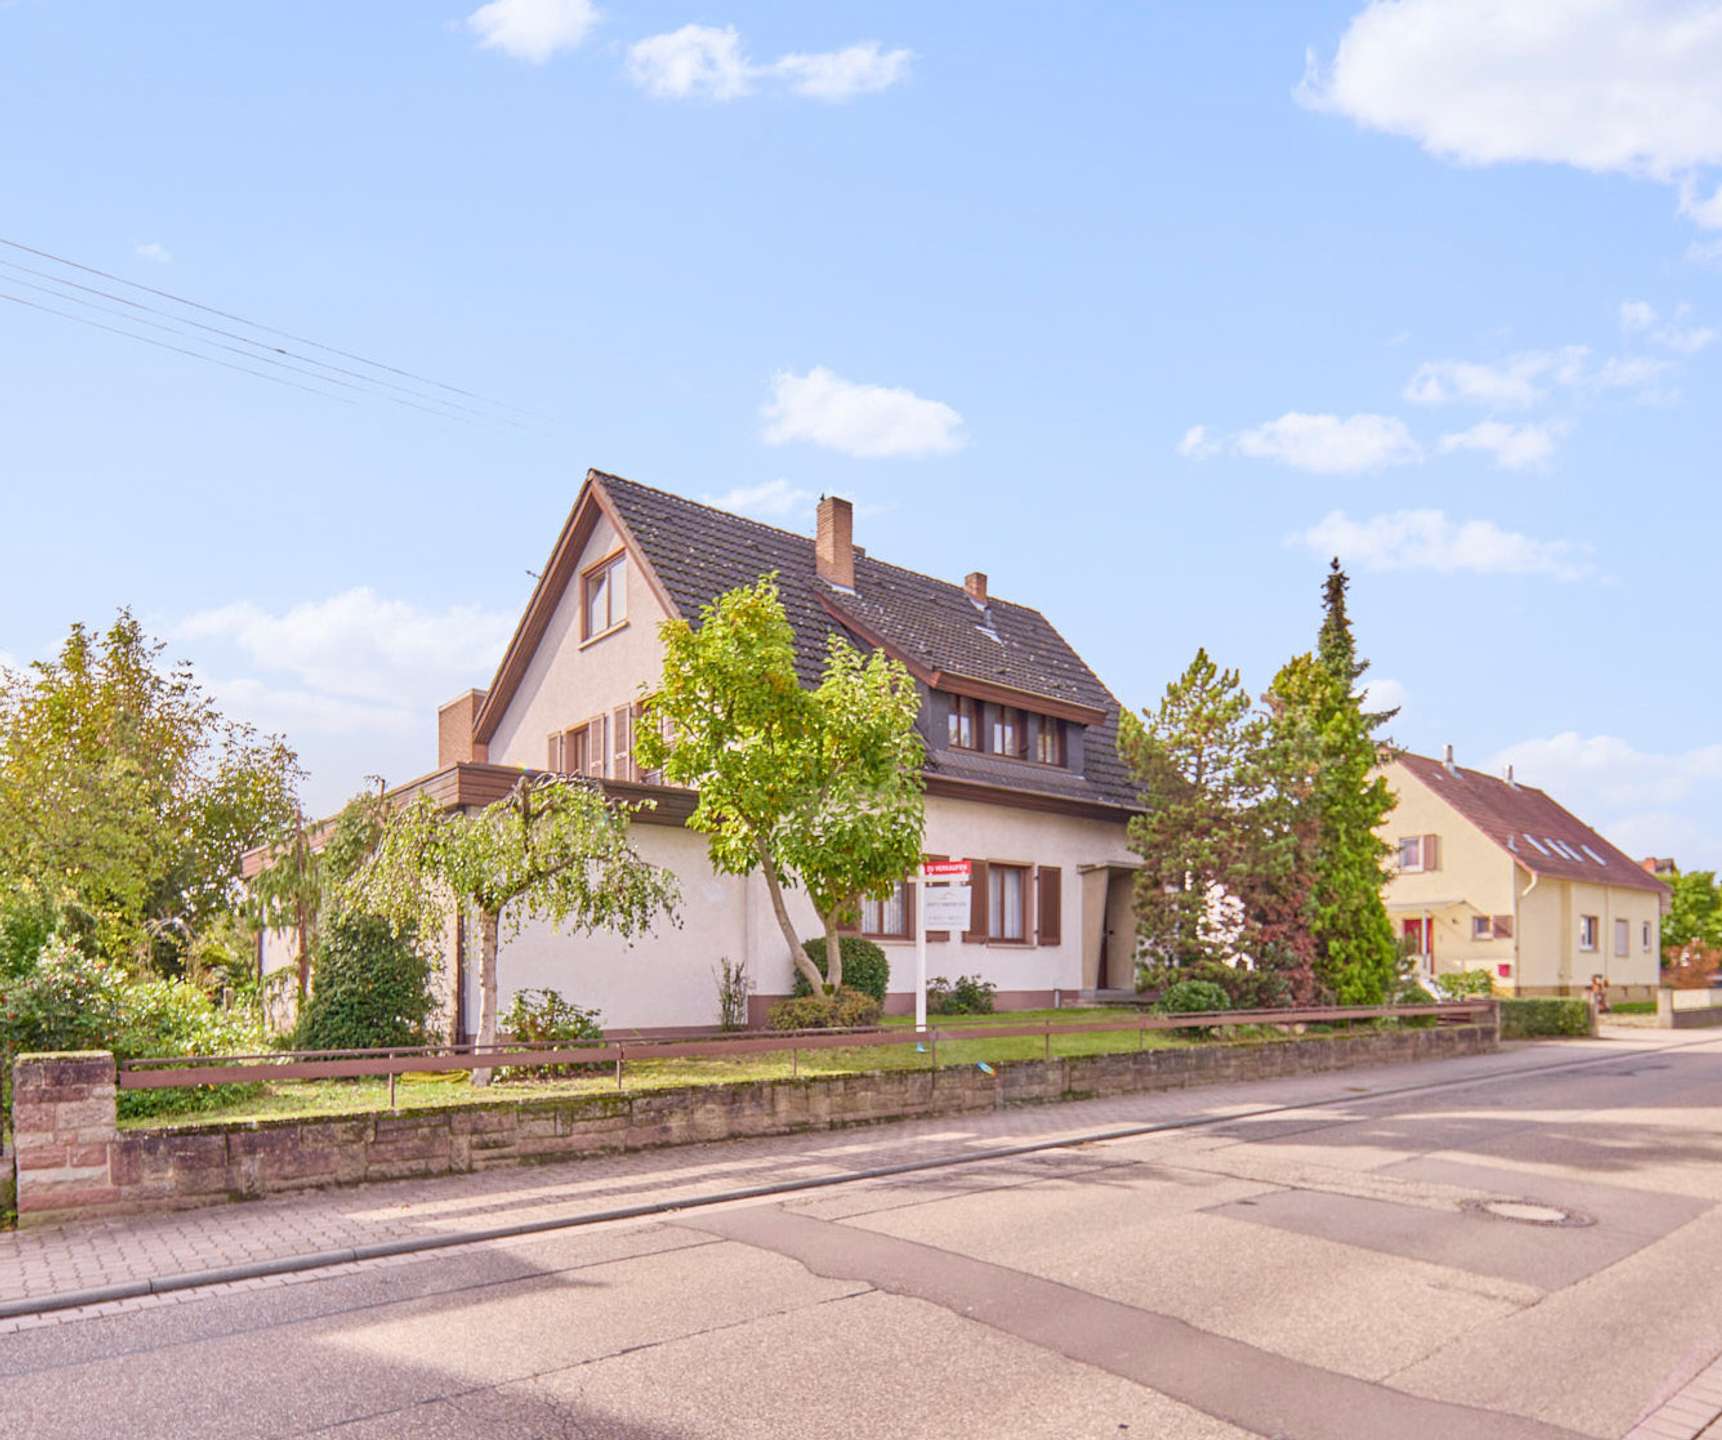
1053	729
1399	856
1482	928
604	570
1644	937
905	901
996	870
964	707
1622	938
1011	719
1591	925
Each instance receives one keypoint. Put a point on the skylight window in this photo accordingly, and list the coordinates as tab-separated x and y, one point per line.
1563	851
1536	844
1593	855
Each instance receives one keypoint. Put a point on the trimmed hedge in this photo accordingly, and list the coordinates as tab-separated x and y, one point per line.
865	967
846	1010
1536	1019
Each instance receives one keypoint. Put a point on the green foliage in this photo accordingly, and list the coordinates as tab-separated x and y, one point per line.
1694	919
67	1000
1193	997
865	967
372	988
846	1010
126	799
544	1017
1464	984
1411	993
966	995
27	922
1544	1018
820	789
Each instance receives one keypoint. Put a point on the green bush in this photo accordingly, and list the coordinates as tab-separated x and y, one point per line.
1193	997
1464	984
1245	989
865	967
543	1016
846	1010
967	995
1411	993
369	988
1541	1019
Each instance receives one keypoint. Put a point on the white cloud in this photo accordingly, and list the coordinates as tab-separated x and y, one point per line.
775	498
1384	695
1515	447
1609	86
709	63
843	74
1197	445
1646	802
361	646
867	421
1515	383
156	251
1328	445
532	30
1637	317
1429	540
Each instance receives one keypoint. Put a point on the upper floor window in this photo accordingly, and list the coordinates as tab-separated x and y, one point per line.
1010	732
604	590
1622	937
1410	852
965	723
1049	742
1587	932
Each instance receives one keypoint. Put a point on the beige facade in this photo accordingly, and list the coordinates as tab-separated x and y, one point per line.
1469	902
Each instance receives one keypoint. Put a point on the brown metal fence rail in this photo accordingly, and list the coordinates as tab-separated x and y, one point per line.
176	1071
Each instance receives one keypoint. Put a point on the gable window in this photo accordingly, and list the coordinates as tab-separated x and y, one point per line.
1010	732
887	919
965	723
1049	741
1587	932
1410	852
1007	891
1622	938
604	596
1482	928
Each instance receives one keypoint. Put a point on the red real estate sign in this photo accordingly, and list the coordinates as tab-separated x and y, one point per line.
945	869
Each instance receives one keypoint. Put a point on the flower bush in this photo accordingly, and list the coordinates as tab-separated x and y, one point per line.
966	995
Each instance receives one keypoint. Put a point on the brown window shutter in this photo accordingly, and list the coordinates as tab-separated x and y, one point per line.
1028	907
910	890
1502	925
554	759
1051	905
1431	852
979	925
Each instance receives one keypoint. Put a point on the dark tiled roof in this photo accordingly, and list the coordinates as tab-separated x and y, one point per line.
699	552
1507	814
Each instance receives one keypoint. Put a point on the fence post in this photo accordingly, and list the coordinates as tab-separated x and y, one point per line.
618	1066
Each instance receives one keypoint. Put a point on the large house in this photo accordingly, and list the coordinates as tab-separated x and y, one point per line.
1491	874
1022	775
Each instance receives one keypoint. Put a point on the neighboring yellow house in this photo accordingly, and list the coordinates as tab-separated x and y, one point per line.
1493	875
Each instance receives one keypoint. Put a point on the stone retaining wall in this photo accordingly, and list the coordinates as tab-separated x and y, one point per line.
74	1162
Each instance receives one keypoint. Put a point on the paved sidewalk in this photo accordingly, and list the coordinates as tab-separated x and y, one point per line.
40	1263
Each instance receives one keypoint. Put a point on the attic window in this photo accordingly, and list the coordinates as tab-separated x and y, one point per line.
1536	844
1565	850
1593	855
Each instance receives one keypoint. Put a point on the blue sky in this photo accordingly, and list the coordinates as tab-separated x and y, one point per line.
1144	310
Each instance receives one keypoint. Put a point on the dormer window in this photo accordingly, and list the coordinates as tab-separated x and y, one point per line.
604	596
1010	732
1049	742
965	723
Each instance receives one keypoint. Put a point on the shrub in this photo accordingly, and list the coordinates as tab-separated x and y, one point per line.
732	988
544	1017
1193	997
1464	984
865	967
369	988
967	995
846	1010
66	1000
1540	1019
1411	993
1246	989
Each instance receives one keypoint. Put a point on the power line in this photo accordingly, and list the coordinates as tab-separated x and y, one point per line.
273	349
253	324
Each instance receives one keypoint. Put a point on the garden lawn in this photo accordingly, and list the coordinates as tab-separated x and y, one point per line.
299	1098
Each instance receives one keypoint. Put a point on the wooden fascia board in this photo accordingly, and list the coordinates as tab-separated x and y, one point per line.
954	789
957	684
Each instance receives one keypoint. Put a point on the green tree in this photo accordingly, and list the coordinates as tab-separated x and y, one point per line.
126	798
287	895
815	788
1329	737
552	849
1694	918
1194	759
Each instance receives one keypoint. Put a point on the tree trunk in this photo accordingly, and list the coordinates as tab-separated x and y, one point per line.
833	954
304	957
797	956
488	921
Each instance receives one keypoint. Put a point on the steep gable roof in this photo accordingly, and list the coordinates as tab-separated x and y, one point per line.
1528	823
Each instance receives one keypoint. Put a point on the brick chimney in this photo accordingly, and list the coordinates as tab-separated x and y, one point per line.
834	544
454	722
976	584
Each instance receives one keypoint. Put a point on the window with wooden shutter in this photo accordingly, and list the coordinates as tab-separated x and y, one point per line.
597	746
1051	905
574	750
1431	852
553	761
622	734
1010	904
1502	925
977	931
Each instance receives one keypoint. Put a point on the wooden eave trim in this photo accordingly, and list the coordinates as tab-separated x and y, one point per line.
969	685
954	789
547	594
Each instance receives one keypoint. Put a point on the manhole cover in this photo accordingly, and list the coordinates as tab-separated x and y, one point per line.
1528	1212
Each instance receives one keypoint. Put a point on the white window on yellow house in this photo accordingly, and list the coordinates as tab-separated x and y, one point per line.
1622	938
1410	852
1482	928
1645	937
1587	932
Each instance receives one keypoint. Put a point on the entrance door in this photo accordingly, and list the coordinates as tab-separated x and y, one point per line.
1422	938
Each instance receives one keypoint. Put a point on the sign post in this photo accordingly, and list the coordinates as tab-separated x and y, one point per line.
944	907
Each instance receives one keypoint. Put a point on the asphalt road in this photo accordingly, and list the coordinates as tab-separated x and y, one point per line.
1327	1273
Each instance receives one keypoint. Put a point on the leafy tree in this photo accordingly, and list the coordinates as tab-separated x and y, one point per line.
815	788
1332	758
1194	759
1694	919
126	798
553	848
373	988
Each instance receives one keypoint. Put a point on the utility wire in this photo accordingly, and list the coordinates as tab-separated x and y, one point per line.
264	345
255	325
